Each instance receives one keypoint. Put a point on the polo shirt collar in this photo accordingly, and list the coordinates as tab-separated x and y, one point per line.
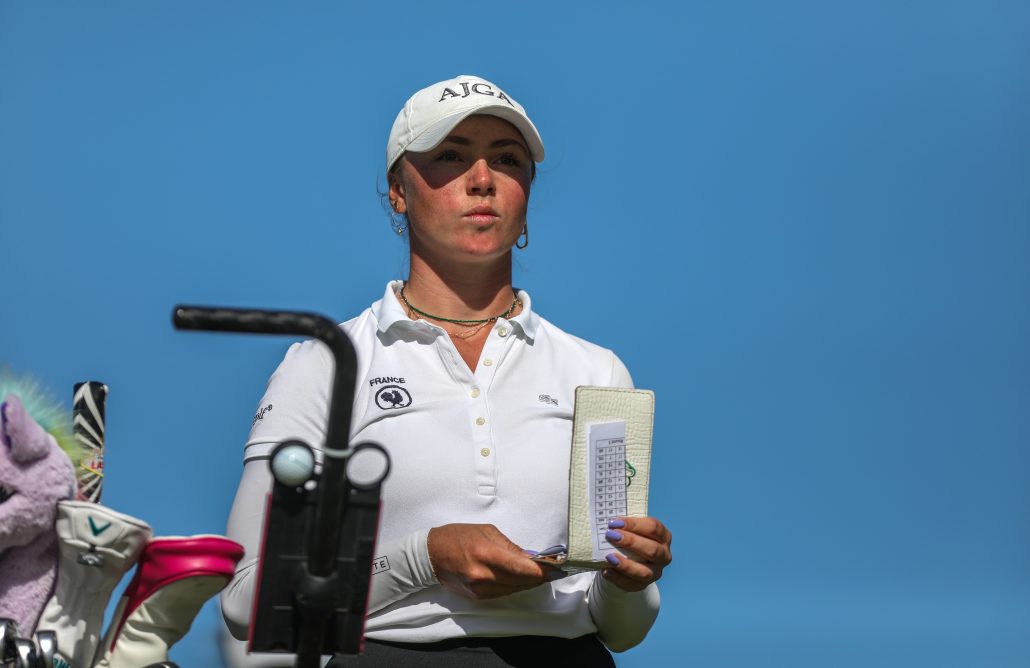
528	321
389	312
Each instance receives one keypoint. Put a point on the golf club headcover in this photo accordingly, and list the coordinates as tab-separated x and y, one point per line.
97	547
175	576
34	475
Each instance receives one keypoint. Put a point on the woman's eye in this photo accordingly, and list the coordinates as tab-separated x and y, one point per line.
510	159
448	156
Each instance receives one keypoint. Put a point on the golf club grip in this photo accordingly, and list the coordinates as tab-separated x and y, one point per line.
89	401
250	321
332	493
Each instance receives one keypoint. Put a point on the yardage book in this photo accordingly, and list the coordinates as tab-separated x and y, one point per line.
609	470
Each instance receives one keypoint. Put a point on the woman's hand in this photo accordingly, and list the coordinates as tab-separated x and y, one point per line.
647	549
478	561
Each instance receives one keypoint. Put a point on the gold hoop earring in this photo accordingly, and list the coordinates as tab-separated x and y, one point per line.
524	235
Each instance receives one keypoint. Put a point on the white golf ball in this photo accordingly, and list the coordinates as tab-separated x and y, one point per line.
293	465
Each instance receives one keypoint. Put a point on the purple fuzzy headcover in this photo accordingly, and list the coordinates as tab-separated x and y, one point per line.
34	475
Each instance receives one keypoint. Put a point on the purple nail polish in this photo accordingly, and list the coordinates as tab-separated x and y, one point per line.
531	553
616	524
613	536
612	559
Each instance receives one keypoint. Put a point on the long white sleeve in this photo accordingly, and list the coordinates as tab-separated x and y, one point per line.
623	618
245	521
403	564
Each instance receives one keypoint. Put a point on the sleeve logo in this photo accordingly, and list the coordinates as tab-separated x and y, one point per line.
260	415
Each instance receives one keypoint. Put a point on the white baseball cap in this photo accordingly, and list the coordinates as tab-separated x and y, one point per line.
430	114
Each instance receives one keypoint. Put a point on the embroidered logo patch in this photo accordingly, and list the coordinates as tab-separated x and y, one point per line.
380	564
547	399
392	396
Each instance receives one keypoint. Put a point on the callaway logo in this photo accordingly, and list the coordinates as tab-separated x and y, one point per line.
547	399
91	558
97	530
392	396
478	88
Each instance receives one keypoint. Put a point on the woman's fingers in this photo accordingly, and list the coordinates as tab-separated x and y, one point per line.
517	568
509	573
630	575
502	583
646	547
478	561
658	552
650	527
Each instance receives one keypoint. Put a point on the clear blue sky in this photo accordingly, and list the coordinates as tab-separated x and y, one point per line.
805	225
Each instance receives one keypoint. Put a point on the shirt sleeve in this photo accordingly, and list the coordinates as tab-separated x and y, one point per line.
619	374
245	521
403	568
296	402
622	618
295	405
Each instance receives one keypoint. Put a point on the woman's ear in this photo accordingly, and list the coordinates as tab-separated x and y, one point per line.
396	192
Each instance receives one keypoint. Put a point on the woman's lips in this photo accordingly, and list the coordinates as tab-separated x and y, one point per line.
481	214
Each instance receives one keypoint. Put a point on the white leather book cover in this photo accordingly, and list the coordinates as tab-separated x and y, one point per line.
609	470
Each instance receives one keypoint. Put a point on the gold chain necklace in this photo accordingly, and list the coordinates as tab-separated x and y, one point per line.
455	321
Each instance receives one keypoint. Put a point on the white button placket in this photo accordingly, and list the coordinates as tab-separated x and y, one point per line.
485	447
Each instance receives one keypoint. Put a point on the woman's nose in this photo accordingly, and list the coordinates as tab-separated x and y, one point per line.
480	179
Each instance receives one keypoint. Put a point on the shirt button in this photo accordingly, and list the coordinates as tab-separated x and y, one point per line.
485	452
488	362
502	332
474	393
480	421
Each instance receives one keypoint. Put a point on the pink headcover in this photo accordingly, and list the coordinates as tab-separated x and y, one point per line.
171	558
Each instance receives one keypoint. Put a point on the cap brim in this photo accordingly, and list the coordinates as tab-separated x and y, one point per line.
431	137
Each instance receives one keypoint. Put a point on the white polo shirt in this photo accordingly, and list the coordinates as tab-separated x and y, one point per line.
489	446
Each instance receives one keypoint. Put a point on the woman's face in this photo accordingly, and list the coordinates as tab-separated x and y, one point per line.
466	199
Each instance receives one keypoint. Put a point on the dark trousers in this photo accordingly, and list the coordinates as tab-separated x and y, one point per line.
535	651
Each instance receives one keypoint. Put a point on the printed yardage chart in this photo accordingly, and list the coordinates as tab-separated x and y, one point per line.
606	463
